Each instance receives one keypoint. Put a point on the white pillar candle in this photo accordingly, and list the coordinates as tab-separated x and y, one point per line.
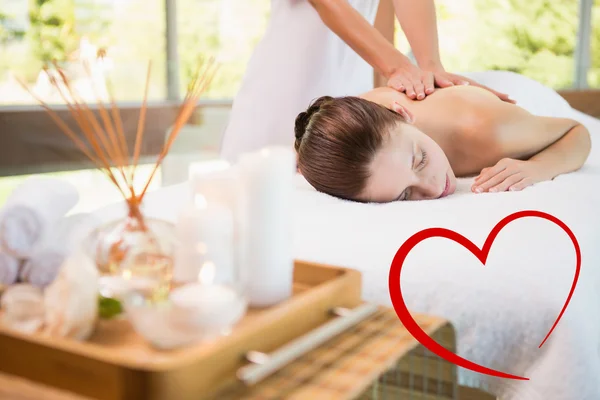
218	187
205	235
219	183
267	179
215	180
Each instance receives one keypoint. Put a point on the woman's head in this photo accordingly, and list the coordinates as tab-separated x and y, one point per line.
358	150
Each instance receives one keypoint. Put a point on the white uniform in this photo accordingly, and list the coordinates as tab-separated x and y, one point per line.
298	60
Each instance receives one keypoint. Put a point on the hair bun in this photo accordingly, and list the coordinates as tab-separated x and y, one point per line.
303	119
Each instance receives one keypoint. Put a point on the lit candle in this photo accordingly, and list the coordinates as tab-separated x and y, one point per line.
205	233
267	179
154	323
195	311
219	183
213	309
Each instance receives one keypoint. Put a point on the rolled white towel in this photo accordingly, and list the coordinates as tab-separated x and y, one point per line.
33	207
42	268
9	269
61	240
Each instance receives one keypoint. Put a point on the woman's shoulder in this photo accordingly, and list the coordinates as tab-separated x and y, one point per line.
454	96
385	96
463	93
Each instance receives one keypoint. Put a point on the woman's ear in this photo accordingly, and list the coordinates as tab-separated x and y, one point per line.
403	111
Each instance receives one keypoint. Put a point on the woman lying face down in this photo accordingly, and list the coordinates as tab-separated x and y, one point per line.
382	146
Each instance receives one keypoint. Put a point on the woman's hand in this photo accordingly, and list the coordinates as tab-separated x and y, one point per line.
408	78
419	83
508	175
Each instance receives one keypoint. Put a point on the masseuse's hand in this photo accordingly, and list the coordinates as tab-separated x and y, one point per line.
508	175
418	83
410	79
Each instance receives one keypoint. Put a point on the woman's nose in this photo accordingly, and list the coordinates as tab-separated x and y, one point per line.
427	190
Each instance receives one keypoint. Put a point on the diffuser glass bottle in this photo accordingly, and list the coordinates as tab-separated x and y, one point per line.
134	253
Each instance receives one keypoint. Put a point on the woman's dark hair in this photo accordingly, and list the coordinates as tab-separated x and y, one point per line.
336	141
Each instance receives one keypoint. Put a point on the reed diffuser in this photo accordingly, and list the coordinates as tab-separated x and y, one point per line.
134	252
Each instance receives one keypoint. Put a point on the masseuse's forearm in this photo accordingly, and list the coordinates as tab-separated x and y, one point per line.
565	155
418	21
362	37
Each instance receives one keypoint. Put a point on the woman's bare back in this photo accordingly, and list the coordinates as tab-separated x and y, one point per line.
475	128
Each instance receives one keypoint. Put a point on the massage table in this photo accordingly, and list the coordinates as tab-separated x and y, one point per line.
501	310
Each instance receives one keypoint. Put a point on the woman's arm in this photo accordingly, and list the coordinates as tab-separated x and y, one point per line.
567	154
369	43
361	36
418	21
547	147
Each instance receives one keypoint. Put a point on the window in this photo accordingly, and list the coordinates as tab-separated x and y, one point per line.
535	38
130	33
594	72
225	29
74	32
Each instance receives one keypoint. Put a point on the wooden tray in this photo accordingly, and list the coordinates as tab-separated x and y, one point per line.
116	363
373	360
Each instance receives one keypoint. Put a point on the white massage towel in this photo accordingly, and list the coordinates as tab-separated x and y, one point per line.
30	210
503	310
60	240
9	269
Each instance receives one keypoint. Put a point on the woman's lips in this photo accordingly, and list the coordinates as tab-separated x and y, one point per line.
446	188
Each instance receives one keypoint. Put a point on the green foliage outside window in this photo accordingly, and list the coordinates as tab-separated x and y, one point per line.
536	38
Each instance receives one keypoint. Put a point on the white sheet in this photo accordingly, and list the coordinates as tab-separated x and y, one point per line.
501	311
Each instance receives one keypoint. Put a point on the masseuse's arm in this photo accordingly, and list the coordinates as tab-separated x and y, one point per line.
370	44
547	148
418	21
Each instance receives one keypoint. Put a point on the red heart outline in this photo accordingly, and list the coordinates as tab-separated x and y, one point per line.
482	254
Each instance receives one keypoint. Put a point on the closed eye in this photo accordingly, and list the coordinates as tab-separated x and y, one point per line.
403	195
423	159
406	193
